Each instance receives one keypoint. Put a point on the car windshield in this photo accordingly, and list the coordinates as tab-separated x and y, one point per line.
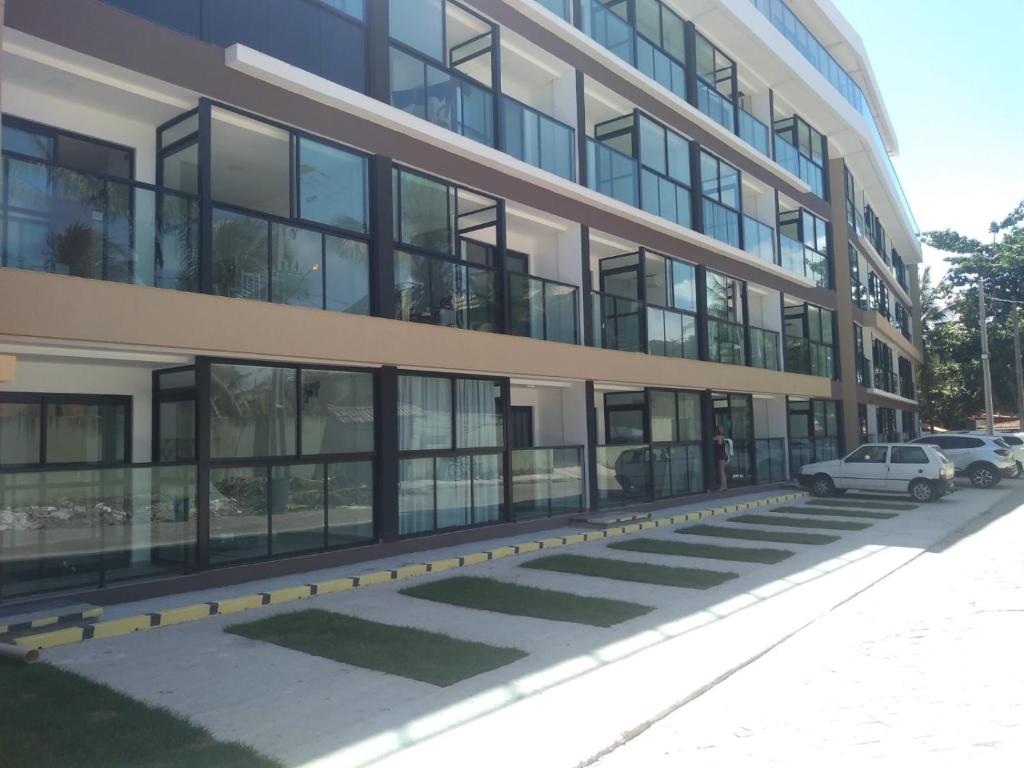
1001	443
1011	440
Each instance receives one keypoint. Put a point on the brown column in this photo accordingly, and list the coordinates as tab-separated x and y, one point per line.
844	304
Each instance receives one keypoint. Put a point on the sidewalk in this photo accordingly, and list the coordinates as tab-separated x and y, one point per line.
571	698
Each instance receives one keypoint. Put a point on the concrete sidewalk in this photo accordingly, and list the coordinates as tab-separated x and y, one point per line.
579	690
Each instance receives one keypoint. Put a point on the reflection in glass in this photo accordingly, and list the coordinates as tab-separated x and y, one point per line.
349	502
238	514
252	411
347	264
20	432
240	255
332	186
79	433
415	495
424	413
337	411
297	266
296	508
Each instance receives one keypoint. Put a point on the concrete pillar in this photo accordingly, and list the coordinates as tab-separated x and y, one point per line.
844	303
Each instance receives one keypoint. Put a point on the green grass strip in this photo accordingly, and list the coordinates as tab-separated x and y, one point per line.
855	504
503	597
709	551
414	653
624	570
52	717
754	534
808	510
835	525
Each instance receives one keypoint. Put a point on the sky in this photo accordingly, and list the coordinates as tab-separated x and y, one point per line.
951	74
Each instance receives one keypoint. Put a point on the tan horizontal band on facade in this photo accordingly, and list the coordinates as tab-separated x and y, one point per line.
187	613
39	307
872	318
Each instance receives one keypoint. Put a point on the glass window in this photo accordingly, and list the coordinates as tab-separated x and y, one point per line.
297	263
689	416
177	425
337	411
20	432
349	502
415	495
420	25
663	417
652	145
678	158
425	212
296	508
94	156
868	454
332	186
252	411
655	269
684	285
902	454
240	255
28	142
181	170
91	433
478	414
250	164
424	413
238	514
347	275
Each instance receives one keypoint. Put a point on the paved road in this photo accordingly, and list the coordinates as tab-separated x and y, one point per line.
923	669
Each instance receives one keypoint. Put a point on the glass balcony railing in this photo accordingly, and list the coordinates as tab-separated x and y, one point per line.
764	348
558	7
631	474
754	132
804	261
740	469
672	333
808	450
721	222
86	225
716	106
546	481
758	239
793	161
676	470
84	528
665	197
813	358
660	67
537	139
725	342
792	254
441	96
542	309
616	322
612	173
770	459
444	292
609	29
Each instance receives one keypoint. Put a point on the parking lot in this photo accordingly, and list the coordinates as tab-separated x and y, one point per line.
707	597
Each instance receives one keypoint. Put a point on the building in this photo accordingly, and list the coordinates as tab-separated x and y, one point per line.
293	283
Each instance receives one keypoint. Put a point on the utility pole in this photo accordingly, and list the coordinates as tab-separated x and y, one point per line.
984	357
1017	366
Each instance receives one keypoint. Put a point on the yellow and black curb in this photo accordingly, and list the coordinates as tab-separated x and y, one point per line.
188	613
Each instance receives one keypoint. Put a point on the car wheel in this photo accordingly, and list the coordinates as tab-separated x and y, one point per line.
983	475
822	485
922	490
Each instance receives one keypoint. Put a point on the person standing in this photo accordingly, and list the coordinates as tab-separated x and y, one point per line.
721	456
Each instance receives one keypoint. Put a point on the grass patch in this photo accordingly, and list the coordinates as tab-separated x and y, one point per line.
836	512
709	551
623	570
52	717
429	657
754	534
855	503
502	597
792	522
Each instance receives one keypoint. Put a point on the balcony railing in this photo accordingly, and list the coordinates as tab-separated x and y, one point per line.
616	322
440	291
547	481
804	261
608	29
88	225
613	173
671	333
660	66
770	459
665	197
790	158
758	239
754	132
721	222
543	309
813	358
83	528
630	474
808	450
725	342
764	348
716	106
442	96
537	139
558	7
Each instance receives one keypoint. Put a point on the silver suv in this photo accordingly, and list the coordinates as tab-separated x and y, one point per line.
982	459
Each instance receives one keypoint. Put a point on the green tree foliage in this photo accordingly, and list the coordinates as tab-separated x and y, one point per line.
951	378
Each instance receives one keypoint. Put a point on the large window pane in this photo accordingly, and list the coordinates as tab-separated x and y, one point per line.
337	411
420	25
415	495
250	164
655	269
238	514
240	255
252	411
663	417
453	491
296	508
347	265
425	213
85	433
478	414
332	186
684	285
488	488
297	261
652	145
349	502
689	416
424	413
181	170
20	432
177	439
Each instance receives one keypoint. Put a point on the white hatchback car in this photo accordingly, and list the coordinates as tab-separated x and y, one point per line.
920	470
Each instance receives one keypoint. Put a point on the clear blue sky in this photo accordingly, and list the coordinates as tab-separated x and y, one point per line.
952	77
